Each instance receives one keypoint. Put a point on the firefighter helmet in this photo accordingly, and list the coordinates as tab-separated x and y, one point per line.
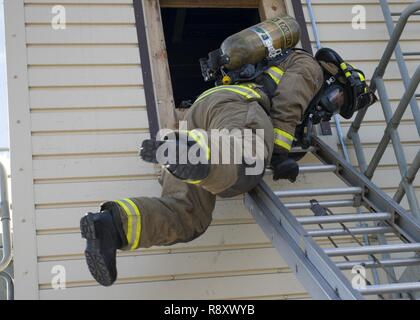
346	88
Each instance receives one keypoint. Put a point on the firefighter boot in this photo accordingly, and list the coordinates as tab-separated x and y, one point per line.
104	234
188	171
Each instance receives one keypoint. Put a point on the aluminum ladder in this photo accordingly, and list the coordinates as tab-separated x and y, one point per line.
393	119
383	236
320	267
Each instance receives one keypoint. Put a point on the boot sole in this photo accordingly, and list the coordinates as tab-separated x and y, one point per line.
94	258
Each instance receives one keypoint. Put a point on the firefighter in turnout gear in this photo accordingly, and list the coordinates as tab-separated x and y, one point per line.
275	101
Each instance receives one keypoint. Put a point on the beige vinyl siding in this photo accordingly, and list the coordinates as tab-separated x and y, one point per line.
87	119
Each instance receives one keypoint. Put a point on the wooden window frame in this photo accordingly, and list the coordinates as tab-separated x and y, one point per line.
154	59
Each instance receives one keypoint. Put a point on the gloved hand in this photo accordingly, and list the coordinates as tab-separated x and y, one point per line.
283	167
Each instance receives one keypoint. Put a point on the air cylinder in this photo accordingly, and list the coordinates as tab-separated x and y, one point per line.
255	43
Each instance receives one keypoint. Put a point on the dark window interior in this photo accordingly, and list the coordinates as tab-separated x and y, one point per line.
190	34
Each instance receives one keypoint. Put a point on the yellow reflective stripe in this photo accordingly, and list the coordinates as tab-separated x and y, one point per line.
193	181
201	140
275	73
343	67
131	229
234	88
275	79
284	134
138	224
210	91
277	70
362	78
283	144
283	139
220	89
247	87
129	217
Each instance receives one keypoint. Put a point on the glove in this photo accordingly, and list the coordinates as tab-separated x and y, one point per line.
284	167
186	171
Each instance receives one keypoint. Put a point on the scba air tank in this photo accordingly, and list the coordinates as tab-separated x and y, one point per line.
264	40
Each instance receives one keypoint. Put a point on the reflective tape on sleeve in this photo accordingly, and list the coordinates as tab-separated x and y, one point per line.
275	73
283	139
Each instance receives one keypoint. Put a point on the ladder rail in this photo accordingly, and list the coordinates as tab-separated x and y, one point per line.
312	266
391	134
392	124
339	129
386	57
399	54
408	178
407	226
312	261
373	197
393	121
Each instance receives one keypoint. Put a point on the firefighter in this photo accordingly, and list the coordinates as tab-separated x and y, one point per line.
270	107
184	210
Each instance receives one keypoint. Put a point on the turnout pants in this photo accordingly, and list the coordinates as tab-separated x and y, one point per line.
184	210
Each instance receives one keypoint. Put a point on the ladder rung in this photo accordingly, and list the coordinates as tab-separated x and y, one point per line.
397	14
327	204
389	248
317	168
300	150
346	265
311	168
343	232
390	288
379	216
318	192
413	53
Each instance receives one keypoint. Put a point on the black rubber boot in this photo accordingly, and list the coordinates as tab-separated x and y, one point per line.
188	171
103	235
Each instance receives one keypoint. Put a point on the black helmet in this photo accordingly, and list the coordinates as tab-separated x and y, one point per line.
346	90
